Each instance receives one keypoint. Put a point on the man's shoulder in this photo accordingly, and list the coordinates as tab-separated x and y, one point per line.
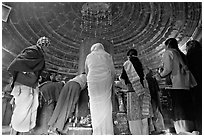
33	49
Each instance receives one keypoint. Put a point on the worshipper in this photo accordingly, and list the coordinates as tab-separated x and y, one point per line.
25	70
66	104
138	96
6	106
174	64
157	119
100	77
49	93
194	58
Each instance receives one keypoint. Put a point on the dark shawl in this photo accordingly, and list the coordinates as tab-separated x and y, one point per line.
154	89
31	59
139	69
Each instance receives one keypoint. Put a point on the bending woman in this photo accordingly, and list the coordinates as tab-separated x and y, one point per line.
66	103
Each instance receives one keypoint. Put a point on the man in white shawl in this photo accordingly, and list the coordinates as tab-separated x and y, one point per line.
100	75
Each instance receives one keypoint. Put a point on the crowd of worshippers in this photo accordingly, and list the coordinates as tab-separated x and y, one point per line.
138	82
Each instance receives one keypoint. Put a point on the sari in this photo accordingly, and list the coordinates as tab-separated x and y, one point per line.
100	79
138	101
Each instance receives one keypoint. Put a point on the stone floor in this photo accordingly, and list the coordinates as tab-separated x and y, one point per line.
120	126
80	131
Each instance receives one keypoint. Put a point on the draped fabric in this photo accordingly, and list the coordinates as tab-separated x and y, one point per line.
138	101
25	110
134	78
65	105
101	107
51	91
31	59
81	79
100	77
181	77
154	91
67	101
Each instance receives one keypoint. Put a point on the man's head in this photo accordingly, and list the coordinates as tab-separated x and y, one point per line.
43	42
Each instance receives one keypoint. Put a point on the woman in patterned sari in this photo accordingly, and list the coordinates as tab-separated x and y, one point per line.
138	97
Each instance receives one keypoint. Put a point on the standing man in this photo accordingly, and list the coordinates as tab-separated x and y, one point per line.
25	70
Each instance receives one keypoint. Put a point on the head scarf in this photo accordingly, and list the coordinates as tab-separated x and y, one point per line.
43	41
97	46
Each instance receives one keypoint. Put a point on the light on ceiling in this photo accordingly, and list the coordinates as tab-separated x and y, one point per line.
96	15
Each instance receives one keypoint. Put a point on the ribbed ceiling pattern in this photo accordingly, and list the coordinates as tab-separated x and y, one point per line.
144	26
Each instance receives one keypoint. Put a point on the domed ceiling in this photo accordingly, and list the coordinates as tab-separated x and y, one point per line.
143	26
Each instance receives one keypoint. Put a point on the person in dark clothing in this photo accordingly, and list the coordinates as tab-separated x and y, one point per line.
132	56
157	119
25	70
194	58
30	62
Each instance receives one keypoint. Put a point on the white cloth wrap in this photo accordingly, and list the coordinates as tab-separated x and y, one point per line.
25	111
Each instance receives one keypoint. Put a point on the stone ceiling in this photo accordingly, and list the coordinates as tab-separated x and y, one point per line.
143	26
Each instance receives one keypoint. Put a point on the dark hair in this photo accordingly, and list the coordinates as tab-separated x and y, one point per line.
132	52
136	63
171	43
193	44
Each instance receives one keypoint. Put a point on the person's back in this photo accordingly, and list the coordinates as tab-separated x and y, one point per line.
173	66
51	91
100	75
28	65
98	65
